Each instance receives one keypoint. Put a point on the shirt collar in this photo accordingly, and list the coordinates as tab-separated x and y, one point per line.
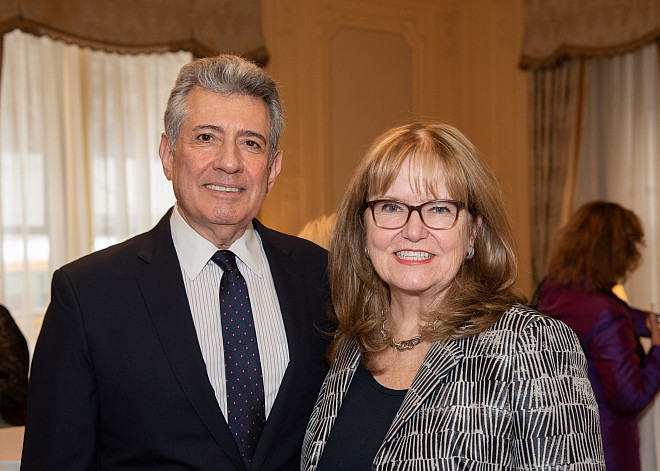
194	251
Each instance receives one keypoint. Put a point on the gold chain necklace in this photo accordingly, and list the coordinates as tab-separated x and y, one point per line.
403	345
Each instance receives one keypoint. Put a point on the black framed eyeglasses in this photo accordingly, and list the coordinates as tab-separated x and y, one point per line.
436	214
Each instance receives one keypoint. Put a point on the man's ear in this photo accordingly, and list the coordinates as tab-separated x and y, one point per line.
275	168
166	155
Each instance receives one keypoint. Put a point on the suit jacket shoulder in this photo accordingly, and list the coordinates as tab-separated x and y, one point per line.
157	242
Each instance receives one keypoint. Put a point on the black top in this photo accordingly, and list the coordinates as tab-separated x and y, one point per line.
363	420
14	364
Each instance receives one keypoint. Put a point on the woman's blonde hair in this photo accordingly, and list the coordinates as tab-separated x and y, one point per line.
484	286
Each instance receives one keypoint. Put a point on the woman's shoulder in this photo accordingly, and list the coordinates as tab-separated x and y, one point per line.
523	335
525	321
346	355
519	317
531	337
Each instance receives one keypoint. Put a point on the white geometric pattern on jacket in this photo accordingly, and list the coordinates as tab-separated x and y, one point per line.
514	397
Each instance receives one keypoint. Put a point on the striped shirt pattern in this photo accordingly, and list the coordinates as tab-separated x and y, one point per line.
514	397
202	277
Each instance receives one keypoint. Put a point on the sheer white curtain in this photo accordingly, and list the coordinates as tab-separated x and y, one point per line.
620	162
79	166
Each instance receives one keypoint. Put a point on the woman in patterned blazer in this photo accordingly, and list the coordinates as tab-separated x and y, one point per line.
436	364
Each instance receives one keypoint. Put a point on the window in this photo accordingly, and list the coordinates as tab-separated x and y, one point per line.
79	166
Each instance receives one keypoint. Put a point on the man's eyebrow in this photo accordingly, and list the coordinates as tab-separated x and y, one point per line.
248	133
244	133
208	127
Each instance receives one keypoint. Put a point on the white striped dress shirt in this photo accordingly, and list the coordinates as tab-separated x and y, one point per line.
202	277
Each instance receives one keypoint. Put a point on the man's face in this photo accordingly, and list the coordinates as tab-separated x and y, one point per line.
219	170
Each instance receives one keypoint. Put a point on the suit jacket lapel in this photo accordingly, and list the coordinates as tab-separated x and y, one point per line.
162	286
440	360
288	285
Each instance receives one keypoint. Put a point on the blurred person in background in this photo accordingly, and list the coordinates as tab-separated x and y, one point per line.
319	230
595	251
14	366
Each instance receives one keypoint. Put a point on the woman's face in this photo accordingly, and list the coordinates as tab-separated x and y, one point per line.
415	260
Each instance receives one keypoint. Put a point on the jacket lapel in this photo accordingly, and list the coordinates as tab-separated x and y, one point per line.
290	293
333	391
440	360
161	283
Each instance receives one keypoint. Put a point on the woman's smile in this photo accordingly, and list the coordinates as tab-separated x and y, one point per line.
413	256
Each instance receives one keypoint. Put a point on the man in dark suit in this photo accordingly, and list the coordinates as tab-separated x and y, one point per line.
128	371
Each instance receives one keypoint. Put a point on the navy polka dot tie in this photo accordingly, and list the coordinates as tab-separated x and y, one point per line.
245	391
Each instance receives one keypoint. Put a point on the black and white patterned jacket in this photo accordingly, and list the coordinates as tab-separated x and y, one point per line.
515	397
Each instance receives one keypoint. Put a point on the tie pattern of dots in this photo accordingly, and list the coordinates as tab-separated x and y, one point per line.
245	392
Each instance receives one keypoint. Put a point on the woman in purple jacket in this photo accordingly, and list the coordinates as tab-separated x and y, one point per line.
595	250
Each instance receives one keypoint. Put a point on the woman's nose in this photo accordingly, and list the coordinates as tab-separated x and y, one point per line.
415	229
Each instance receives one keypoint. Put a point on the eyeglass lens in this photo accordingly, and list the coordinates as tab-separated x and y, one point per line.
435	214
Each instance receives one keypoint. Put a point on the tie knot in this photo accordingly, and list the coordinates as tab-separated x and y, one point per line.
226	259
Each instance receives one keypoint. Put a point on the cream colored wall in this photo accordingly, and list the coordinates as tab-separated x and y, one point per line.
349	69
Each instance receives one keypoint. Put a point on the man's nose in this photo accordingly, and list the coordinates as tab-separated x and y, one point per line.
228	158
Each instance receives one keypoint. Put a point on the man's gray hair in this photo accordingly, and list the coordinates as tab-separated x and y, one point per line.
225	74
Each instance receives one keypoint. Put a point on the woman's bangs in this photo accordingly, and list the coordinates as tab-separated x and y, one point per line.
384	171
429	159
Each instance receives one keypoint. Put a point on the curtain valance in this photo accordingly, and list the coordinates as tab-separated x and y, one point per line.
203	27
556	29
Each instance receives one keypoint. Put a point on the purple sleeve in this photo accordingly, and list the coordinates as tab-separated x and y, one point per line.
639	322
629	378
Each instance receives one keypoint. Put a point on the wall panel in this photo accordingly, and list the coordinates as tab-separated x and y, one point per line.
351	68
371	90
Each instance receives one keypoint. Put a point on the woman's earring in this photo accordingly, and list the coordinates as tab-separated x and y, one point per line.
366	252
470	253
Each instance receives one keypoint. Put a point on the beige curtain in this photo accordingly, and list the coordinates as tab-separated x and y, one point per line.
619	162
561	38
555	137
619	157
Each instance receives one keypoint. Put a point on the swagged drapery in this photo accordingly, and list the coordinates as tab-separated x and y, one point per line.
559	29
203	27
560	38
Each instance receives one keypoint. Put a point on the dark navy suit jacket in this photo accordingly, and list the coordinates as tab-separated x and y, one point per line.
118	381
